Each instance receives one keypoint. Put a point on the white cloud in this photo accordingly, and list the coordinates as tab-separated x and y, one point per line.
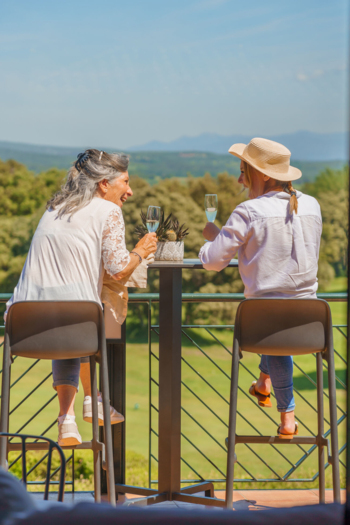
317	73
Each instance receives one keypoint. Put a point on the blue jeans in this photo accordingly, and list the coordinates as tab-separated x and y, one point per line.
280	370
66	371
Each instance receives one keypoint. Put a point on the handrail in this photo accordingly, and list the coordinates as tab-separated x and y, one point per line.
203	297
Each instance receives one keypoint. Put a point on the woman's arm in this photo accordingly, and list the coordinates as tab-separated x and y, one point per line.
146	246
217	255
117	260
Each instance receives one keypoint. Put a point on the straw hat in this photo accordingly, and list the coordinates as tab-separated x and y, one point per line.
268	157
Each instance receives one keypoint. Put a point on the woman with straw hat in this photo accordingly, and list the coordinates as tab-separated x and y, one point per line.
276	235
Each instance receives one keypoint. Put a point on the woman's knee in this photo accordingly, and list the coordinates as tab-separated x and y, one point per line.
66	372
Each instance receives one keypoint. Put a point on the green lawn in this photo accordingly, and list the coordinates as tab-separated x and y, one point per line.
210	419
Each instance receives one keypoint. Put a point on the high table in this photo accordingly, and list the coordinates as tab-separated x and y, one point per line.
169	427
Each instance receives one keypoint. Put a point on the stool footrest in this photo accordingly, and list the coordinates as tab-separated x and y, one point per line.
276	440
85	445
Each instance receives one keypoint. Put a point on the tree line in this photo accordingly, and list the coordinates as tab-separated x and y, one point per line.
23	196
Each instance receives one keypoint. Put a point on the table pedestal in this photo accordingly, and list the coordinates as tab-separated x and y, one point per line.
169	443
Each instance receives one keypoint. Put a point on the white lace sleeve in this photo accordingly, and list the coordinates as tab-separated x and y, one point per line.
115	256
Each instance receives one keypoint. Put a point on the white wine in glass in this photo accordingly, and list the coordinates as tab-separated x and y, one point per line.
211	206
152	218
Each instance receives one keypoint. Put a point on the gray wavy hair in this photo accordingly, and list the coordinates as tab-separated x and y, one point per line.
81	185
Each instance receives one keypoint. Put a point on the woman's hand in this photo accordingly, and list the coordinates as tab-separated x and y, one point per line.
146	245
211	231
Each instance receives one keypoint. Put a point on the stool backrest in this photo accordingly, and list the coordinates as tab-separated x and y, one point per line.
54	329
283	326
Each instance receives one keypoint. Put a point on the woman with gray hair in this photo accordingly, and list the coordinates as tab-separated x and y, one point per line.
80	236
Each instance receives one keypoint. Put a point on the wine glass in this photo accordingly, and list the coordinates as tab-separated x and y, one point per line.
152	218
211	206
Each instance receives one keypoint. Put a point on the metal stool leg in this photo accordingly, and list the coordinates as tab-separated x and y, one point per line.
334	426
320	430
107	426
96	452
5	401
232	426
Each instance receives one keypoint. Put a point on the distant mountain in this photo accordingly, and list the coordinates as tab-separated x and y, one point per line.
304	145
150	165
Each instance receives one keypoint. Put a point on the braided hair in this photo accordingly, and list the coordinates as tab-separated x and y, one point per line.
293	203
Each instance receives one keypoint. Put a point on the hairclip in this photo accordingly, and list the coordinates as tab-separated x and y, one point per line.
293	193
82	158
100	157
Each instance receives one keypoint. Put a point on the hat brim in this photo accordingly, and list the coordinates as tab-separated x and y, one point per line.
293	173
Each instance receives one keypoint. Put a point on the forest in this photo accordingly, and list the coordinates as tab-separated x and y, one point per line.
23	196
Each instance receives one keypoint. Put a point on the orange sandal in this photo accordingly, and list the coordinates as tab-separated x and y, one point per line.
264	400
287	436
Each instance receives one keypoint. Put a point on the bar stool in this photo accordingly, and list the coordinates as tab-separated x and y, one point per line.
61	330
286	327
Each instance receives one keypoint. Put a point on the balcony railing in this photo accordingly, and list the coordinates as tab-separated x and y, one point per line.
206	359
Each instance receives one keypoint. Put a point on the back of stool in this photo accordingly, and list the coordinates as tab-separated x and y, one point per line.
54	329
284	326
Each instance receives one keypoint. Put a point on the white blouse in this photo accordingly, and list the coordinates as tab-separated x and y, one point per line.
277	252
68	256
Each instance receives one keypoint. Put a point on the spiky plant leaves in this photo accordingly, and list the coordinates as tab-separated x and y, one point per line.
166	225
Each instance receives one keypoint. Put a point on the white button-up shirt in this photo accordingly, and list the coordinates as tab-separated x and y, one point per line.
277	252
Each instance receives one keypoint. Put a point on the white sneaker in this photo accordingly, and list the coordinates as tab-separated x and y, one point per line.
68	433
116	417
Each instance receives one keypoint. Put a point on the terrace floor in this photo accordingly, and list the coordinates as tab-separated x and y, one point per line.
242	500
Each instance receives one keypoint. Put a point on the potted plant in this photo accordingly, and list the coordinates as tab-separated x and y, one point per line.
170	237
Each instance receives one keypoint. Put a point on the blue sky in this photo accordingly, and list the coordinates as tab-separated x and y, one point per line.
113	73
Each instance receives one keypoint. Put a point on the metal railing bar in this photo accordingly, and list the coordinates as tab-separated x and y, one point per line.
191	468
203	379
154	381
204	429
212	326
247	471
203	403
340	357
207	297
206	355
262	460
336	378
153	457
30	393
218	341
338	327
202	453
308	403
59	468
33	417
24	373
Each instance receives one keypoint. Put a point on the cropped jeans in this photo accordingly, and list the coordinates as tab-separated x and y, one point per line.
280	370
66	371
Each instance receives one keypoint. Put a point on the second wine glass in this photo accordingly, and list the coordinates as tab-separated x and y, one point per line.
211	206
152	218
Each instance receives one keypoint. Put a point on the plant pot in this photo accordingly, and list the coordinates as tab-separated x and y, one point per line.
170	251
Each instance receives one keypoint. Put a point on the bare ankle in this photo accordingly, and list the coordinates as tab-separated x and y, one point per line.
263	384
